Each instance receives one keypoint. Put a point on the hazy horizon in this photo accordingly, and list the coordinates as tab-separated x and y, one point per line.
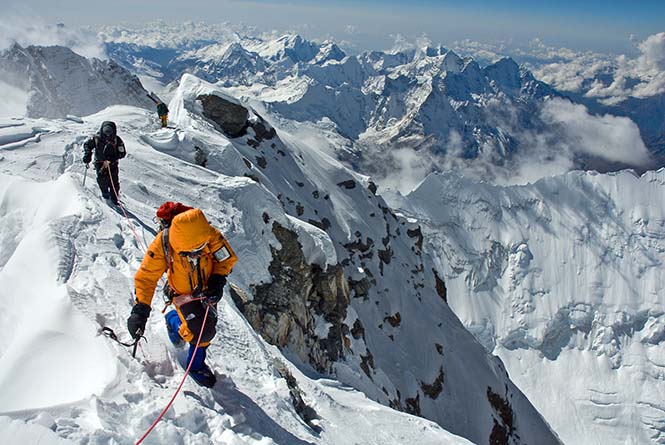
611	27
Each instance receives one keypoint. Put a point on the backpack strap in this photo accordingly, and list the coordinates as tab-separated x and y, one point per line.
166	248
168	292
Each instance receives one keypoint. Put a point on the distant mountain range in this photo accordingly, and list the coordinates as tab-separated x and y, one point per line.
559	278
443	109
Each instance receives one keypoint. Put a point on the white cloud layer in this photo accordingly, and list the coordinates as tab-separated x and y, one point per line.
612	138
609	78
29	30
570	133
642	76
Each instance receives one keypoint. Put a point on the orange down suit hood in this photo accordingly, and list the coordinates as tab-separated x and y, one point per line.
189	230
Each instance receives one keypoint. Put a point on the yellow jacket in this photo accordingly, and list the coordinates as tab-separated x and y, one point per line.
189	230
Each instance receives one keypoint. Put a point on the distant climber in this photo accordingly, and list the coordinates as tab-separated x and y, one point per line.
197	259
162	109
108	149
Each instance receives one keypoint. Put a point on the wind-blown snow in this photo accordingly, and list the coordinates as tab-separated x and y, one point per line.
44	333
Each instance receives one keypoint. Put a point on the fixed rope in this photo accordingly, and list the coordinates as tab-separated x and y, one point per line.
182	382
124	212
108	331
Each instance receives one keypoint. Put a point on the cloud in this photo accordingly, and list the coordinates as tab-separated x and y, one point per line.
652	58
410	167
14	101
612	138
484	53
30	30
611	79
568	133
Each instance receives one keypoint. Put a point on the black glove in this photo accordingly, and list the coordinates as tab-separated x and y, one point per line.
87	158
136	321
215	288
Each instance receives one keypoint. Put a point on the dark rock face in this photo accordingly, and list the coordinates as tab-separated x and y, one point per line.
263	131
372	187
504	428
434	389
440	286
306	412
200	156
230	117
285	311
394	320
348	184
418	235
413	405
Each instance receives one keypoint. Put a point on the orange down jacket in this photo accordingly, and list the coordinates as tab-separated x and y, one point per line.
189	230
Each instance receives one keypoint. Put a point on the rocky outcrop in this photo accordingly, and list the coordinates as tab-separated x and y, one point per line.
303	308
504	429
229	116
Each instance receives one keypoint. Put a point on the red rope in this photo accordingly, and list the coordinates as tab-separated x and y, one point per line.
198	341
182	382
124	212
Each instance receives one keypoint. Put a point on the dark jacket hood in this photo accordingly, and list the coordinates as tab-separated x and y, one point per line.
106	124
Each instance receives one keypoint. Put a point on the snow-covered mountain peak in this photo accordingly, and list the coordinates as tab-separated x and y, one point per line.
505	73
312	236
557	277
452	62
433	51
291	46
62	82
329	51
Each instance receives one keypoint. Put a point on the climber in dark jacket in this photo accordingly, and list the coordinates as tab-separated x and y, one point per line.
108	148
163	113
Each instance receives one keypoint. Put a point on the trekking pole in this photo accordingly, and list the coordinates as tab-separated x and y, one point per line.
85	175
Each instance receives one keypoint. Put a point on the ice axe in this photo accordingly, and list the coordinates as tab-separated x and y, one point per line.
108	332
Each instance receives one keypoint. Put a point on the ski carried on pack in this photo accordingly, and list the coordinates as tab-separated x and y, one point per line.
162	109
153	97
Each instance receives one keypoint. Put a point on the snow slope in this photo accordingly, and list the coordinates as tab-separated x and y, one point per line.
66	270
393	294
562	279
60	82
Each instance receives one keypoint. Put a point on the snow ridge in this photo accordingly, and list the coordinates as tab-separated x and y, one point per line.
250	186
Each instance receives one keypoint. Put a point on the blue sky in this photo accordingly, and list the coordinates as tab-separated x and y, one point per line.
587	25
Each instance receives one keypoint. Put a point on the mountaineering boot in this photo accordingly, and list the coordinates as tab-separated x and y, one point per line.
199	371
172	327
